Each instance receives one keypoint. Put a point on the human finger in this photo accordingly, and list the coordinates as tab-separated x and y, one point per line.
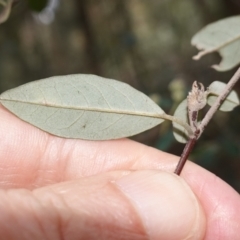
117	205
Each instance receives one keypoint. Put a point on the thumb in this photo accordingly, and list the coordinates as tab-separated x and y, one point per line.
115	205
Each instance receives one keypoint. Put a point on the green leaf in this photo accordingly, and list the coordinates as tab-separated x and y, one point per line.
179	131
83	106
5	9
215	89
222	36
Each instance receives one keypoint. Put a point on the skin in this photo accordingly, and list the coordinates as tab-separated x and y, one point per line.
55	188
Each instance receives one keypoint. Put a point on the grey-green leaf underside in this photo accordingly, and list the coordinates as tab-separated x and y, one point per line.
222	36
83	106
179	132
215	89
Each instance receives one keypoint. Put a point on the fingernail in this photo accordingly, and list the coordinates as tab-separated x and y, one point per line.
165	204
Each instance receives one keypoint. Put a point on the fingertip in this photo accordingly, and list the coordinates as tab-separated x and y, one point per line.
166	205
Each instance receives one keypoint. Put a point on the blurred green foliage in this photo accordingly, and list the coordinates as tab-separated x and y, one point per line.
37	5
143	43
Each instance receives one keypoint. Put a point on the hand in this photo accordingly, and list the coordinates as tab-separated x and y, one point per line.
54	188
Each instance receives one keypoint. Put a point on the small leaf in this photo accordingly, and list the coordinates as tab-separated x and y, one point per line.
222	36
83	106
5	9
217	88
179	131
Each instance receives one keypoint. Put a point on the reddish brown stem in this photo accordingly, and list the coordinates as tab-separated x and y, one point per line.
191	142
186	151
219	101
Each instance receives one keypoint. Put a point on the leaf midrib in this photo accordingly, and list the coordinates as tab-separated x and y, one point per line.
90	109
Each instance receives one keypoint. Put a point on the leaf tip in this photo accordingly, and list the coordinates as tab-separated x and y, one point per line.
200	54
220	68
216	67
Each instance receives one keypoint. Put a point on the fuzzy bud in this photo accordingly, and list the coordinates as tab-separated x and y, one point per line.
197	97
